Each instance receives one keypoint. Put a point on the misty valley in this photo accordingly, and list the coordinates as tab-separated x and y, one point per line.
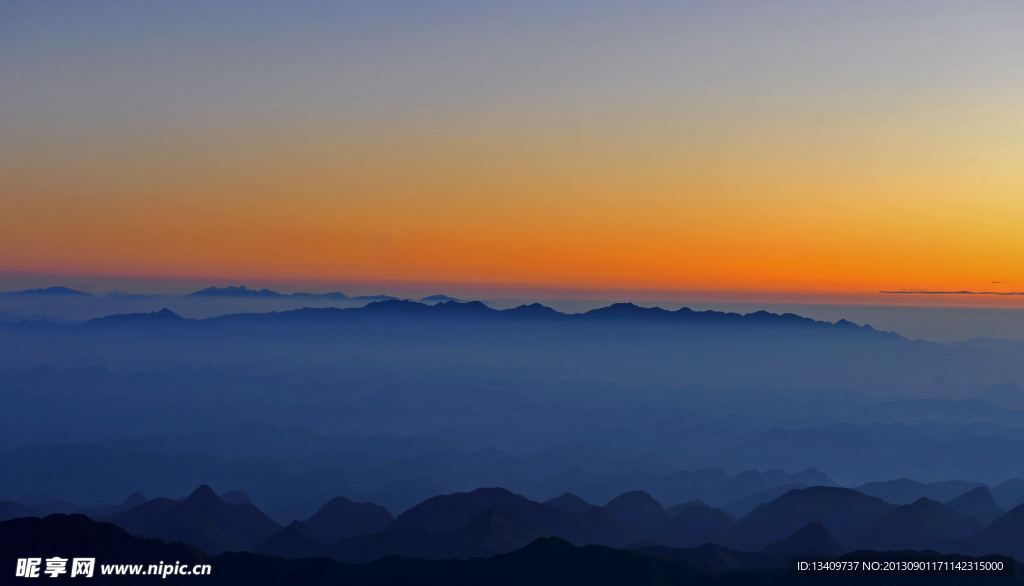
321	443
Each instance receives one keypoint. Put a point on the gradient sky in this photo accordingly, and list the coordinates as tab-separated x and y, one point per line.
794	148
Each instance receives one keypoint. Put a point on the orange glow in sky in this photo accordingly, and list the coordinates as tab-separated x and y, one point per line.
729	162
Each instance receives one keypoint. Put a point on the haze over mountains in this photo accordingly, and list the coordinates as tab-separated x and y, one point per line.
490	523
546	560
360	432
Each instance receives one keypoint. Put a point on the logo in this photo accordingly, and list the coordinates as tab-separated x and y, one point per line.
55	566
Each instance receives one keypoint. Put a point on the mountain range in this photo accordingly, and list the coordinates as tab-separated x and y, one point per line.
545	561
818	521
203	520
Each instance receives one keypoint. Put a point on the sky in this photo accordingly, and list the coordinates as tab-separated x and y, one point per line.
789	151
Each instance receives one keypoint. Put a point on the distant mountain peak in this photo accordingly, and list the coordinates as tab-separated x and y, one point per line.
810	540
341	518
638	510
203	494
131	502
571	503
978	503
433	298
505	519
635	498
163	316
241	291
50	291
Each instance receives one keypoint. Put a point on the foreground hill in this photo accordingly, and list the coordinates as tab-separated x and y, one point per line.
923	524
571	503
811	540
692	526
446	512
70	536
13	510
903	491
546	561
638	510
202	519
498	529
341	518
292	542
713	556
978	503
839	510
1004	536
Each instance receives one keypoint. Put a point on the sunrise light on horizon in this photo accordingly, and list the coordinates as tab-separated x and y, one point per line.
811	151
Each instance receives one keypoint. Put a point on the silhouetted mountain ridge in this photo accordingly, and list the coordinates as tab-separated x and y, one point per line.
618	313
839	510
923	524
810	540
978	503
447	512
341	518
203	519
50	291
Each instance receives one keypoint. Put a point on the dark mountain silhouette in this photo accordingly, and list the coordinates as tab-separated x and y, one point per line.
545	561
163	317
616	344
446	512
202	519
638	510
840	510
671	511
267	293
977	503
130	503
34	317
923	524
143	513
50	291
571	503
1003	536
234	292
631	312
294	541
498	529
617	314
711	555
695	525
433	298
407	542
741	507
751	482
810	540
70	536
602	526
341	518
904	491
13	510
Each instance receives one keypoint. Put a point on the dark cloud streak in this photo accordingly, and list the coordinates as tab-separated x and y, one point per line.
919	292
